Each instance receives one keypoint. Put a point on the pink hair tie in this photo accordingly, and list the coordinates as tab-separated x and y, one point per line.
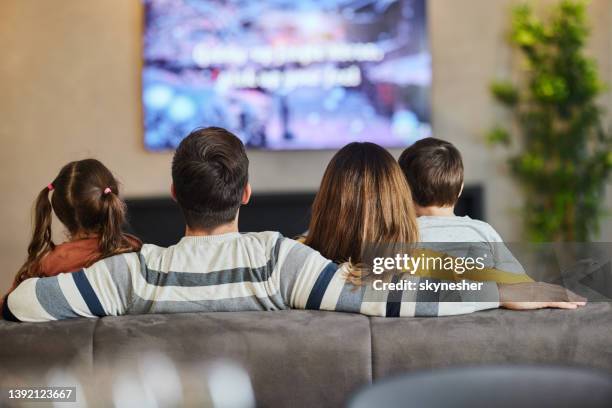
50	187
107	190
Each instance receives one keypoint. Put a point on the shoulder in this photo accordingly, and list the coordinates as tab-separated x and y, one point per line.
288	251
266	240
486	229
133	242
283	246
151	249
263	236
426	221
85	245
70	256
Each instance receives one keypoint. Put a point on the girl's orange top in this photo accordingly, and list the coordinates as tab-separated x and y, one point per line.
74	255
70	257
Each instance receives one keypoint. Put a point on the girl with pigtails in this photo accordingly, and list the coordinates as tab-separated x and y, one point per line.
85	198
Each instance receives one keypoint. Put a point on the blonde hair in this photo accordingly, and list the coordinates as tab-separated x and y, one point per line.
364	200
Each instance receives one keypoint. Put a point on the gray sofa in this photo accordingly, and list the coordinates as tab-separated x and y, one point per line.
308	358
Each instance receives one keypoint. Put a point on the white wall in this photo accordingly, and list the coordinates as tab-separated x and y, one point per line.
69	88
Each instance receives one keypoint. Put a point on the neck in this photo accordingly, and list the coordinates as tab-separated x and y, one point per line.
218	230
82	235
435	211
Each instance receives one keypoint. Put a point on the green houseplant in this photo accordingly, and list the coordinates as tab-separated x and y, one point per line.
563	153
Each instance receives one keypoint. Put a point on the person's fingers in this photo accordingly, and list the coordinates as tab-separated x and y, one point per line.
559	293
539	295
573	297
563	305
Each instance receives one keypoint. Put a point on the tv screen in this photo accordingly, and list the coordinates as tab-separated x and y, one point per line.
287	74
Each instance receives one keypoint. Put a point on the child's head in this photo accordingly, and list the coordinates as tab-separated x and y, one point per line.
84	197
434	170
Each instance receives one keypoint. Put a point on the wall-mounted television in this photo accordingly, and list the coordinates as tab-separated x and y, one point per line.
287	74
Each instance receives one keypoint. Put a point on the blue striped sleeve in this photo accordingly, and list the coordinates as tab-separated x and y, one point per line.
88	293
394	300
100	290
318	290
6	312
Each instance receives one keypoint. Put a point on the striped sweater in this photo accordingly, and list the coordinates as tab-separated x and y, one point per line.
229	272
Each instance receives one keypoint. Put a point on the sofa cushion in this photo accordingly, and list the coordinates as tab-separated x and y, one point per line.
39	347
295	358
548	336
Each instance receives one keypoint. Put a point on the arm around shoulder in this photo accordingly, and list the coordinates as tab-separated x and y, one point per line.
100	290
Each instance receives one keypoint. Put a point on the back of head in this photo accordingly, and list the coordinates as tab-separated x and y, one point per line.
84	192
363	199
85	198
434	170
209	173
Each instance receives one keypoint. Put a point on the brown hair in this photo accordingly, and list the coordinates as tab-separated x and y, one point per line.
434	170
210	170
79	201
363	200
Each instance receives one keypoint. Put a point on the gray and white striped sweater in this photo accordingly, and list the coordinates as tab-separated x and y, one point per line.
229	272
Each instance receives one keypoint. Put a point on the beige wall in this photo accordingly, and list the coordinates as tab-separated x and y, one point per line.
69	88
469	49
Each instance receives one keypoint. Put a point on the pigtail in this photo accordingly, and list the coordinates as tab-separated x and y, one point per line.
114	213
41	242
112	239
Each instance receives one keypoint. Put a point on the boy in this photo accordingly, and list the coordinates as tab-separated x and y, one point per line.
434	170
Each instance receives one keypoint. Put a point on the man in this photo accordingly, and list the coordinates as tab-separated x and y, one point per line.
215	268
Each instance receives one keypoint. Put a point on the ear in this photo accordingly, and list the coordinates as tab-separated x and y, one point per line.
460	191
246	194
172	192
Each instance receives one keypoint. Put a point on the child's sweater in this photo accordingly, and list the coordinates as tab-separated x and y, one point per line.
441	232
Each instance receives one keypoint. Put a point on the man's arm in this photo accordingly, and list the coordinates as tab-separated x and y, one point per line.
310	281
503	258
103	289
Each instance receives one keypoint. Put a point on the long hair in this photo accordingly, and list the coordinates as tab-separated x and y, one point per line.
364	201
85	198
